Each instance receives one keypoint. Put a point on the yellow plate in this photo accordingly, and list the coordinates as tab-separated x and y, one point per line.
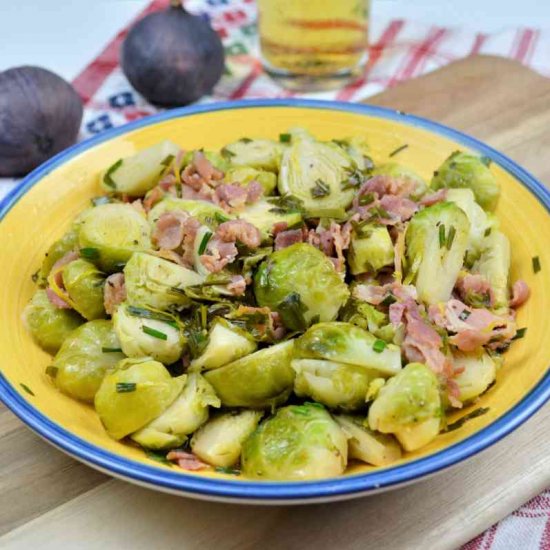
42	207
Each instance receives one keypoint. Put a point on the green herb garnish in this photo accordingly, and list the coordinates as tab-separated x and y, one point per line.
536	264
450	237
89	253
27	389
464	314
125	387
154	333
487	231
157	456
520	333
398	150
155	315
107	179
388	300
365	199
285	138
204	242
461	421
486	160
52	370
379	346
111	350
441	236
228	471
320	189
245	140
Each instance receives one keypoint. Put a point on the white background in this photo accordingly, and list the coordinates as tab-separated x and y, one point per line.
64	35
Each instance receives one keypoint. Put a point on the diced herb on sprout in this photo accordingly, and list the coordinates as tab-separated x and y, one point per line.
320	189
154	332
125	387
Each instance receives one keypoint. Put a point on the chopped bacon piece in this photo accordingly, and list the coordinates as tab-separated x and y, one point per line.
278	227
114	292
288	238
254	192
138	206
376	294
230	196
239	230
396	312
433	198
57	275
56	301
200	171
472	286
520	293
218	254
166	182
399	208
237	286
169	229
155	195
186	461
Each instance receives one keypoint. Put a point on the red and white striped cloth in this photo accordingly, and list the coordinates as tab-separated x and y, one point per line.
399	50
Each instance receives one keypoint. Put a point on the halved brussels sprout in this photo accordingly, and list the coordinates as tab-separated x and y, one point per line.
84	285
367	317
226	343
368	446
47	324
136	175
181	418
138	391
153	282
371	249
260	380
358	149
313	172
67	243
436	241
336	385
409	406
262	154
400	172
85	356
464	170
245	174
300	442
348	343
219	442
263	215
206	212
147	333
494	264
300	282
480	222
478	373
110	233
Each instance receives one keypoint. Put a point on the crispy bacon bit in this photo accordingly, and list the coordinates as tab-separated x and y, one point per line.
520	293
278	227
218	254
230	196
237	286
399	208
472	286
114	292
169	229
55	300
138	206
57	274
155	195
186	461
285	239
239	230
376	294
201	171
279	329
254	192
396	312
434	198
167	182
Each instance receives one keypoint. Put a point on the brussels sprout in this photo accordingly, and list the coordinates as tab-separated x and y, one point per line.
371	249
219	442
347	343
147	333
226	343
313	172
366	316
110	233
57	250
463	170
262	154
181	418
84	285
84	357
494	265
206	212
336	385
263	215
368	446
301	283
138	391
260	380
409	406
358	149
436	241
480	222
136	175
400	172
245	174
478	373
153	282
47	324
300	442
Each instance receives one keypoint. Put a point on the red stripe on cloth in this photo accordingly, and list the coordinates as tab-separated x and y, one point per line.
375	53
478	43
532	46
88	82
245	85
524	45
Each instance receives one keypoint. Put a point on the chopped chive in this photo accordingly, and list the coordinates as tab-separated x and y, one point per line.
89	253
154	333
398	150
464	314
388	300
179	190
485	160
155	315
111	350
488	231
157	456
520	333
125	387
320	189
226	153
220	218
245	140
461	421
34	276
226	470
107	179
26	388
167	160
536	264
52	370
285	138
202	247
365	199
441	236
379	346
96	201
450	237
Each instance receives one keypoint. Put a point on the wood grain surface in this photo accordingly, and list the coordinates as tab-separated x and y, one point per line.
49	500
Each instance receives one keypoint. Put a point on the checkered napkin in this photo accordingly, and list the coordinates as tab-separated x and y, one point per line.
399	50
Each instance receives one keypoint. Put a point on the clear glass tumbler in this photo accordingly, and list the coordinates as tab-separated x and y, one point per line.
310	45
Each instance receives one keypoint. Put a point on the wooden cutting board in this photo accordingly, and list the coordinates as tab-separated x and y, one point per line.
48	500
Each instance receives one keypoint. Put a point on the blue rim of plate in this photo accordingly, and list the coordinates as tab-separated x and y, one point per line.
180	482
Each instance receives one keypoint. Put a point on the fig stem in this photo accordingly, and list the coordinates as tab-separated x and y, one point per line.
175	4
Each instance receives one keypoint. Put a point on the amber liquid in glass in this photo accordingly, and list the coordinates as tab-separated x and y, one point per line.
313	44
